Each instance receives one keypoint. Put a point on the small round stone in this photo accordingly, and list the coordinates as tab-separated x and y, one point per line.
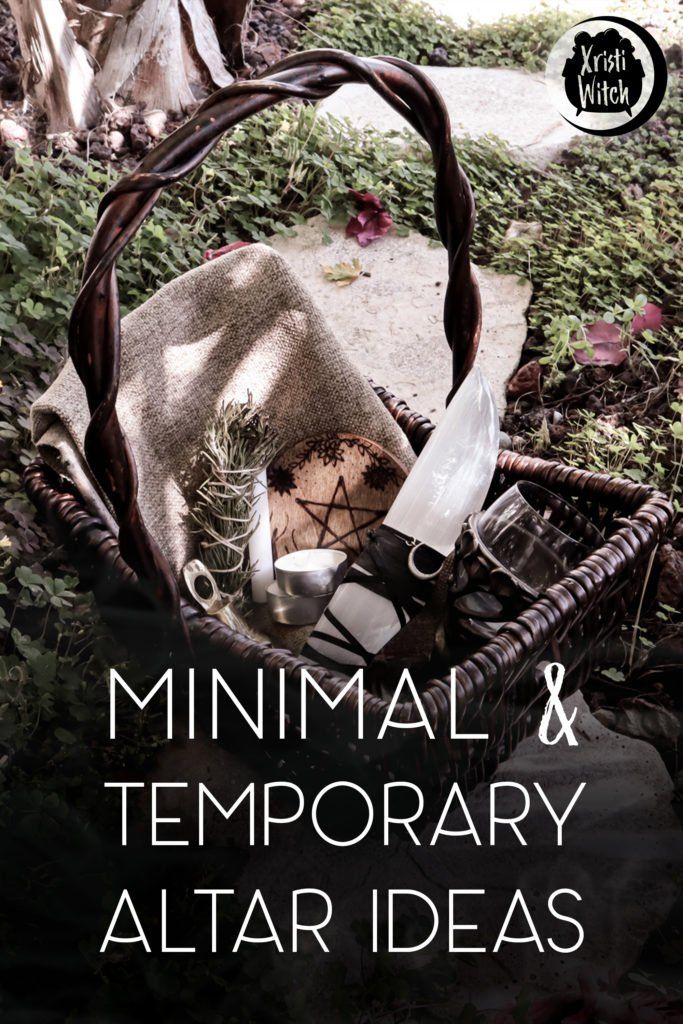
117	140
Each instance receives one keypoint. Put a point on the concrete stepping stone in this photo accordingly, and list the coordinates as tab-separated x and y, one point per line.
661	19
511	104
483	12
390	323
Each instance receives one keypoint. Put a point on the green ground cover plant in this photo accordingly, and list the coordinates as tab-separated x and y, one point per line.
412	30
409	29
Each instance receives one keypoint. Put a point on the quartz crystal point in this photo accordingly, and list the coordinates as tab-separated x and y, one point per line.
392	579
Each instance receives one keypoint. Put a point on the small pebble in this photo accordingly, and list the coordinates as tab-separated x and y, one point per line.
121	117
155	121
504	441
116	140
11	132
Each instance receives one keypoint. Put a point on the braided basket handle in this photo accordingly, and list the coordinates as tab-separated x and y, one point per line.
95	326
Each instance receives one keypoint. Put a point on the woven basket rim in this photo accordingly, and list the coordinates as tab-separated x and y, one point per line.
653	513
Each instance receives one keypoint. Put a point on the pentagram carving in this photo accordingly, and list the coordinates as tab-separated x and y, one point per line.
362	520
327	492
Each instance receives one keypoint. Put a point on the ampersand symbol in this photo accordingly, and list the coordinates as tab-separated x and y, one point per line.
554	677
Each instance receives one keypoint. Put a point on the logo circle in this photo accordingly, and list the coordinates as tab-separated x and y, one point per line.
606	75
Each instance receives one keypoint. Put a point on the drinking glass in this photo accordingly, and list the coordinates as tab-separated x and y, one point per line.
508	555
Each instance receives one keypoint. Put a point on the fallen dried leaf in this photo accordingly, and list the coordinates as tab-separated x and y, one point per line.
526	380
121	117
670	586
642	719
527	230
601	344
343	274
607	344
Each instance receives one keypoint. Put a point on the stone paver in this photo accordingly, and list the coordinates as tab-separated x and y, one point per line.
390	323
505	102
662	19
483	12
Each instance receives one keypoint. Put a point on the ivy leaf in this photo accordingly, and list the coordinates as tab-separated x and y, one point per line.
615	674
43	668
27	578
343	274
64	736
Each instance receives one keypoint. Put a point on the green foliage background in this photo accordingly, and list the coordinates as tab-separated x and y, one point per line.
408	29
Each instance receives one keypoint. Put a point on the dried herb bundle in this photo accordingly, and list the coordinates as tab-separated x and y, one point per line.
237	444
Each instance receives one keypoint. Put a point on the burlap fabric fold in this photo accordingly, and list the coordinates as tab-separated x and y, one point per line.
240	324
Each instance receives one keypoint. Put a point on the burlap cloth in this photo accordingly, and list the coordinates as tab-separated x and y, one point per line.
242	323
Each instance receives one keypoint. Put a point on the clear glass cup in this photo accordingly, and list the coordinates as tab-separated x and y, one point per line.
506	557
534	535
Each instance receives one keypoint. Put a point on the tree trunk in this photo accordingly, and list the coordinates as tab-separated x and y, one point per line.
164	54
230	17
58	72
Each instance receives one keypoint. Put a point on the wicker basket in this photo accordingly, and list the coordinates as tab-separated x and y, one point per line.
499	690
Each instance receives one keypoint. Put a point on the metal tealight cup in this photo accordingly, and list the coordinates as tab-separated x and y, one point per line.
310	572
304	584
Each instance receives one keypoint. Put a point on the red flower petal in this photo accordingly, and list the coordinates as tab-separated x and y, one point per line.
607	344
649	320
353	228
372	220
213	254
384	221
374	228
366	199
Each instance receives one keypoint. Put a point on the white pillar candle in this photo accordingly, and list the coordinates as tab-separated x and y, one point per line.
260	543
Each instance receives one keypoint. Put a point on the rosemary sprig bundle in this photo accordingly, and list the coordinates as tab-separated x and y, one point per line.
237	444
